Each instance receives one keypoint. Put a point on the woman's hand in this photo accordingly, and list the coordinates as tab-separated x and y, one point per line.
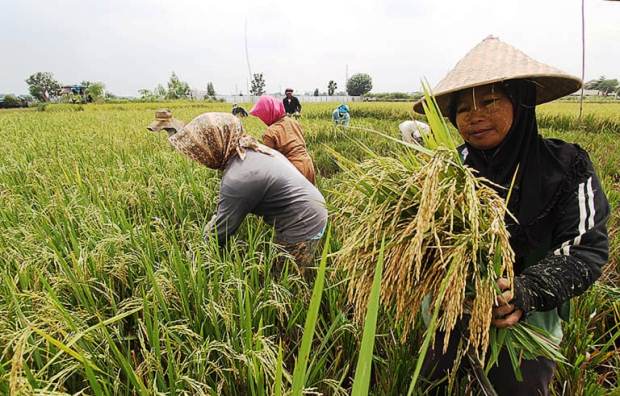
505	314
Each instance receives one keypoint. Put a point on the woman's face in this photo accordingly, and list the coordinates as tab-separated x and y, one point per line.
484	116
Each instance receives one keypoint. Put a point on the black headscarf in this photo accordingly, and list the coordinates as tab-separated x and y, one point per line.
544	167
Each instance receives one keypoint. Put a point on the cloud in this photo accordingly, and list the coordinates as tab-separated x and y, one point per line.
136	44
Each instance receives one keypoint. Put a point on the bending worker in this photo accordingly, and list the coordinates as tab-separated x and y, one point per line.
341	116
165	121
238	111
255	179
284	134
411	131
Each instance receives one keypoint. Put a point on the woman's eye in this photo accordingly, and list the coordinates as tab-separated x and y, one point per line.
488	102
462	109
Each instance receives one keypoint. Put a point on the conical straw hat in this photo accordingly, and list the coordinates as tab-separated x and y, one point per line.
492	61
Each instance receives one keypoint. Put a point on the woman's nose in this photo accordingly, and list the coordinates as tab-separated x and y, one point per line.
477	113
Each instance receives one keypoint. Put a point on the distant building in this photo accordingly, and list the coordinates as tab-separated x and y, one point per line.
77	93
76	89
587	92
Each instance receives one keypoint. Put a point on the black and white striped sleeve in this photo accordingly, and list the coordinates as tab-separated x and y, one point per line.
580	250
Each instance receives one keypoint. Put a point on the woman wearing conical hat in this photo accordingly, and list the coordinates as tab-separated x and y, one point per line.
560	235
257	180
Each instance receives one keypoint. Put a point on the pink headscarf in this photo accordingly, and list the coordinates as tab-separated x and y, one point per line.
268	109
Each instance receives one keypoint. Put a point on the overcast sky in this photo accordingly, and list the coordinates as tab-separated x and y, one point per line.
134	44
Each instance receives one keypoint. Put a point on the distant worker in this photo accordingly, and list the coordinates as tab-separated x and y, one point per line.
284	134
341	116
291	103
258	180
412	131
239	111
165	121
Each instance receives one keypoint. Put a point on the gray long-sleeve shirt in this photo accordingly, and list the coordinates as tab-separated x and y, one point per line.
271	187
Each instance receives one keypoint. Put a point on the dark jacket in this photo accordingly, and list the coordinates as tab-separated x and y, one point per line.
291	105
573	255
568	259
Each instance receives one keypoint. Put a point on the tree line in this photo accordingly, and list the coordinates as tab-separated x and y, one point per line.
604	85
43	87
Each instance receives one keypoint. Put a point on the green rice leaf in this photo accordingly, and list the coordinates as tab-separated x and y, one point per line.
364	361
299	373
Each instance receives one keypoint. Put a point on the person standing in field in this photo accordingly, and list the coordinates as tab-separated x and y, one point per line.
291	103
411	131
340	116
165	121
558	231
284	134
255	179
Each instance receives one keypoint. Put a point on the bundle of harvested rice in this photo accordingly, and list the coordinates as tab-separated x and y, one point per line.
445	237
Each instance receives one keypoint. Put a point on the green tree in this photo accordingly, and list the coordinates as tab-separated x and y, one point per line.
43	86
210	89
12	101
316	92
160	92
177	89
331	87
606	86
257	86
596	84
146	94
359	84
95	91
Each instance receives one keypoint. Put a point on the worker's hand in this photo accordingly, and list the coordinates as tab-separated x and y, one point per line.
504	313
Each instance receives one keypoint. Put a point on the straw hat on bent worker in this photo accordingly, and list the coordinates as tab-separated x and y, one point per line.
164	120
493	61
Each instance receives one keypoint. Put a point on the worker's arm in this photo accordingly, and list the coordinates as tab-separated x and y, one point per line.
270	139
236	200
581	248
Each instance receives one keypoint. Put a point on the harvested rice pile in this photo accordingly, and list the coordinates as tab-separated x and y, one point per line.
444	229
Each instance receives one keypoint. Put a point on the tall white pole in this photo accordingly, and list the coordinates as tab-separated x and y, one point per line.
583	55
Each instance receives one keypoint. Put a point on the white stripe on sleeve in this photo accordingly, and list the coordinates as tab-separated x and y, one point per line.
583	216
591	204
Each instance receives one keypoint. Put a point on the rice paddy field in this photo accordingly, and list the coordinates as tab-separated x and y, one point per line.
107	286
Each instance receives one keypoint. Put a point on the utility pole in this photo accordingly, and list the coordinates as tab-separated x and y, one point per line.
583	56
346	77
247	56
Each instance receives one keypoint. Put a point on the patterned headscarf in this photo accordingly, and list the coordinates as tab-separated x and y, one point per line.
268	109
213	138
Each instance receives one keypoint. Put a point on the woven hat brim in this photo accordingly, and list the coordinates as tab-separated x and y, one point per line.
159	125
548	87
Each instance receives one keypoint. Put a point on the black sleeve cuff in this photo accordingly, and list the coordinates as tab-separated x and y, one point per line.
554	280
